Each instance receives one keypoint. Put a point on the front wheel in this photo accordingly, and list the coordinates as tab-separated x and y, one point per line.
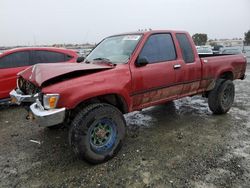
221	98
97	132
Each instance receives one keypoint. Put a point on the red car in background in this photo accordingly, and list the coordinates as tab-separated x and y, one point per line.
15	60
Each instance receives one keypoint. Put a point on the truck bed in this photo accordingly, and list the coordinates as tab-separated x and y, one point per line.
218	64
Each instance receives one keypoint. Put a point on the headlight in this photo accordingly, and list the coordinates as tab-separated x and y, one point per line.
50	100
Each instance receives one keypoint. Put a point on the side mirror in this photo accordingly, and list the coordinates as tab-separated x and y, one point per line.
80	59
141	61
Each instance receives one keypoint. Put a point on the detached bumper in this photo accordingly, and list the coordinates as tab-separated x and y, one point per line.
18	97
46	118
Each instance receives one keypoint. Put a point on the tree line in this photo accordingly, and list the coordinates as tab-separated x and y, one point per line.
200	39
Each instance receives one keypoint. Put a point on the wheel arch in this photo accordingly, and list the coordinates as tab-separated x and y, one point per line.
113	99
227	75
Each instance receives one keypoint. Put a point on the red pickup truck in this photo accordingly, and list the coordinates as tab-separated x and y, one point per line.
124	73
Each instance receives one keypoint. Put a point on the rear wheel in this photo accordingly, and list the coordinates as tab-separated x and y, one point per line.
97	132
221	98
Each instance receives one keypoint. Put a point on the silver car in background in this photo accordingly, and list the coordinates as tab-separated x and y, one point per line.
231	50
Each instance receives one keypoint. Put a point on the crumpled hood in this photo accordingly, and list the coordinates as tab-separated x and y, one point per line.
40	73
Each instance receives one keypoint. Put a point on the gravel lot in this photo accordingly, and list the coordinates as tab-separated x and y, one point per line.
179	144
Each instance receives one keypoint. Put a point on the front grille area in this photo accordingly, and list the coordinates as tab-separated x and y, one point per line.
27	87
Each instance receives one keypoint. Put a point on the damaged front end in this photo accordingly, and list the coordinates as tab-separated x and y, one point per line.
41	107
26	92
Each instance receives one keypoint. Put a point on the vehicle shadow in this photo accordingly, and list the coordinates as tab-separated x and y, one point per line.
7	106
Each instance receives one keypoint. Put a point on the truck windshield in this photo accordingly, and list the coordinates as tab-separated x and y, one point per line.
116	49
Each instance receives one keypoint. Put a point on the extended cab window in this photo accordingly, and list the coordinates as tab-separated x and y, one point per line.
186	48
159	48
43	56
16	59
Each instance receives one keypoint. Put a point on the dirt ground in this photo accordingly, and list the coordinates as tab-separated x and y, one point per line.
179	144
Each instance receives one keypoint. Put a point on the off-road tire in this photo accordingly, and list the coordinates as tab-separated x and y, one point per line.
221	98
80	135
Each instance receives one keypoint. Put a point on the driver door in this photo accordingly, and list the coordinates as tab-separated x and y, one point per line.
156	81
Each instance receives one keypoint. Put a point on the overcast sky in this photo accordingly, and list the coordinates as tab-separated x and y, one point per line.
29	22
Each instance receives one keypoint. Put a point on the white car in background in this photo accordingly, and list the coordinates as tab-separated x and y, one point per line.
204	50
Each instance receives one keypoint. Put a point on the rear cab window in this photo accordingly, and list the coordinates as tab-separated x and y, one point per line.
159	48
186	48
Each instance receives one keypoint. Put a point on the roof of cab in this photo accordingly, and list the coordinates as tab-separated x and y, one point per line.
150	32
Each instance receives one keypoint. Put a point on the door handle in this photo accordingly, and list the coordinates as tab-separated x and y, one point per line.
177	66
205	61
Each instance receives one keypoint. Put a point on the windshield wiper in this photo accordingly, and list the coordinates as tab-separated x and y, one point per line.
101	59
105	60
